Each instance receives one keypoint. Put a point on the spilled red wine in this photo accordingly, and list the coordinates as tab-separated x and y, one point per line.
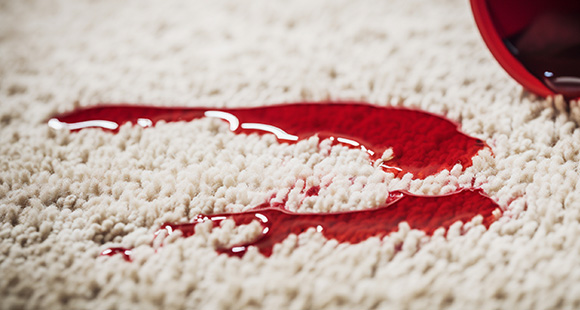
114	251
313	191
422	143
421	212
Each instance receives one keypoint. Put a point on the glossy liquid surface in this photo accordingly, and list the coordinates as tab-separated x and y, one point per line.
126	253
422	143
421	212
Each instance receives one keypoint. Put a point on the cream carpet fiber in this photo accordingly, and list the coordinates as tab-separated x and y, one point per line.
65	197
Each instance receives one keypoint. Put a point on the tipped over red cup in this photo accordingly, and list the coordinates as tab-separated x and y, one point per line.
536	41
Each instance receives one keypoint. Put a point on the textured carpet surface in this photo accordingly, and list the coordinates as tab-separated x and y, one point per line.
65	197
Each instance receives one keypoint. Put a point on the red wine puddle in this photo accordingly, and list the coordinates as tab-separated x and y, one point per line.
421	143
427	213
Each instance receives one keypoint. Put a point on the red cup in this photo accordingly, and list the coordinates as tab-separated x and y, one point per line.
536	41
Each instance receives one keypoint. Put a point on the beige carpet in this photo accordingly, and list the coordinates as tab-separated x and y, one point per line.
65	197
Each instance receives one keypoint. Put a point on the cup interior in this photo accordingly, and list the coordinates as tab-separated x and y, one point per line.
536	41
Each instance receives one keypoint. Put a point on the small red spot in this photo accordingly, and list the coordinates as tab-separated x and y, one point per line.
313	191
113	251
